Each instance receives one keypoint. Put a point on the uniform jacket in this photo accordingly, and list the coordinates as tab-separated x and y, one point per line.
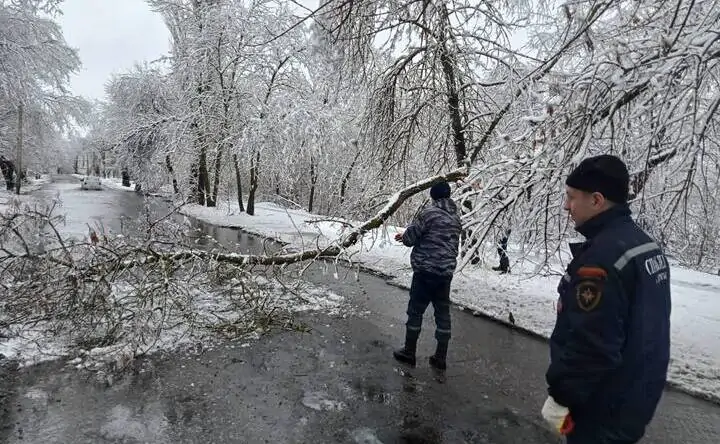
610	348
435	238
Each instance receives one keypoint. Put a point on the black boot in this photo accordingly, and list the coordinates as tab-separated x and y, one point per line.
407	353
439	359
405	356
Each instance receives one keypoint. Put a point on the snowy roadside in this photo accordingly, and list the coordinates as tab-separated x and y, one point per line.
110	183
116	184
7	197
695	361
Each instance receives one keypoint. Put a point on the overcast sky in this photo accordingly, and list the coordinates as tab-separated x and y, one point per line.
110	36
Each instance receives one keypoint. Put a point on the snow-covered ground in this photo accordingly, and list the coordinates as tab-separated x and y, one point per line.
695	365
111	183
7	197
116	184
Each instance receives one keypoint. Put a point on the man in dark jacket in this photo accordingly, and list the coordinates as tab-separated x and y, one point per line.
610	348
435	237
504	266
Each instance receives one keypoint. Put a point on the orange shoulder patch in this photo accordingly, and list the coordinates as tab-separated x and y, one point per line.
592	273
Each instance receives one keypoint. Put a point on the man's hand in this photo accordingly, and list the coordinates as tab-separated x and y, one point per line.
557	417
398	236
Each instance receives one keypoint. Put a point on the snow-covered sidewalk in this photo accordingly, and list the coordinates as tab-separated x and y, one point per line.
695	365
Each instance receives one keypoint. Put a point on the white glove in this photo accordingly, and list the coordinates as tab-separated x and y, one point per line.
557	417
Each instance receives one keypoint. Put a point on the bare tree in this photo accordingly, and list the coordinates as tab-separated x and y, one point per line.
35	69
593	78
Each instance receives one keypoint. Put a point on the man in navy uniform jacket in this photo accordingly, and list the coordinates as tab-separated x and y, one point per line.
610	348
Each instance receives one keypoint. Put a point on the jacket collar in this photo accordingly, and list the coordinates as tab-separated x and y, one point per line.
446	204
592	227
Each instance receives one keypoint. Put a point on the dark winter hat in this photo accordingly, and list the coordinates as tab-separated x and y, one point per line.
605	174
440	191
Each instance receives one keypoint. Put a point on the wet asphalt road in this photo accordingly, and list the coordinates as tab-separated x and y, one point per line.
336	383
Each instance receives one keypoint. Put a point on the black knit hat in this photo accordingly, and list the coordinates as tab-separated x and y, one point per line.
440	191
605	174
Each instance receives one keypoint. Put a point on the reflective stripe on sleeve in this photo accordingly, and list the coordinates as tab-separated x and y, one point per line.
633	253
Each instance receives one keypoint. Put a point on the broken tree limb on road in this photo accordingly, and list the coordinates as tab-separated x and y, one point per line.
336	247
128	292
118	256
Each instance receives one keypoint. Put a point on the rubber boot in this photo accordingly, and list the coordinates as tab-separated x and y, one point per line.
439	359
407	353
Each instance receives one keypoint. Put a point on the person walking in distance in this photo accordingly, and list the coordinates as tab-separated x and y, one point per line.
434	236
610	348
502	246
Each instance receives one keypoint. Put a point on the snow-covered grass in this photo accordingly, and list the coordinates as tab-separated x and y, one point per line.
110	183
7	197
116	184
695	365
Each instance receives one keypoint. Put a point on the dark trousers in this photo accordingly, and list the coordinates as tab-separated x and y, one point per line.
599	435
502	252
429	288
597	440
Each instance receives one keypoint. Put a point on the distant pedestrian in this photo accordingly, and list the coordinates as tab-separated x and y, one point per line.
502	246
435	237
610	348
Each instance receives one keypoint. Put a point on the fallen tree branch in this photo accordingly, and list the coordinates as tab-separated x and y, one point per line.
336	247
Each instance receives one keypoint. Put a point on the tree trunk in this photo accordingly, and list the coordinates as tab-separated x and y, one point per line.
194	183
313	181
216	179
639	180
447	60
76	166
238	181
18	160
170	169
202	87
204	197
346	179
254	165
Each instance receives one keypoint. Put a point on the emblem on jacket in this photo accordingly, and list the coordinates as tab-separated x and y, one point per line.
588	295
